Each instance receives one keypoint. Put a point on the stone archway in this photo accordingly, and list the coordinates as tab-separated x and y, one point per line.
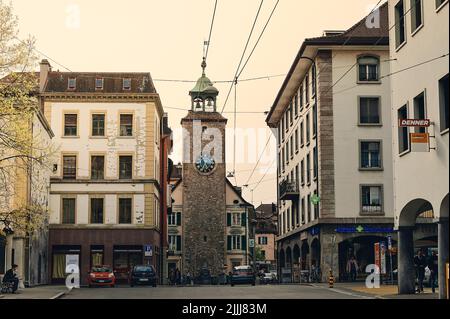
282	258
407	222
289	257
443	247
296	253
315	252
304	255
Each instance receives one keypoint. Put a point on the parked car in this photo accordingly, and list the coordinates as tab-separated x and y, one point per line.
143	275
101	276
268	278
243	275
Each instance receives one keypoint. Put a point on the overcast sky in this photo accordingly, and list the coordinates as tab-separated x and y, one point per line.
165	38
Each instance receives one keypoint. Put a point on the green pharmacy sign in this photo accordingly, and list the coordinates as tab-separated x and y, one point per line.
315	199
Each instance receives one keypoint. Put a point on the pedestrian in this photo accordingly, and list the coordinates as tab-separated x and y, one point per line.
177	277
433	267
171	277
188	278
352	268
420	263
12	277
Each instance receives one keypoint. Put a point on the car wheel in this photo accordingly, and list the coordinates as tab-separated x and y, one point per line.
153	285
253	283
131	285
112	286
232	285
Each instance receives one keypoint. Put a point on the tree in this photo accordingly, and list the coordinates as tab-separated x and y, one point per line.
24	151
259	254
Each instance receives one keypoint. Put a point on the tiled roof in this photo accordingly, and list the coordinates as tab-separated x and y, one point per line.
57	82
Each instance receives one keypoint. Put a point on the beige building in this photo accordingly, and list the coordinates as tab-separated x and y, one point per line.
29	187
266	231
105	199
420	90
333	125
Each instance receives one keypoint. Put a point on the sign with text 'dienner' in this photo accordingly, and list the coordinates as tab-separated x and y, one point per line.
414	123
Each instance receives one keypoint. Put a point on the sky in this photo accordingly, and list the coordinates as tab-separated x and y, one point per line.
165	38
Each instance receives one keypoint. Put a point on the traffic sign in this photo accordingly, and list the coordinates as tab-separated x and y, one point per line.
251	243
148	250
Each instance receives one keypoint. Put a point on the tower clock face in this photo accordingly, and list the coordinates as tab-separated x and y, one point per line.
205	164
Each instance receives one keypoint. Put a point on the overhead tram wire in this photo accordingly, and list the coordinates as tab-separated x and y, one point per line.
243	54
43	54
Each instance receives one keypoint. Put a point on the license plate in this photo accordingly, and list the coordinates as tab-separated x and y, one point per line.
101	281
143	279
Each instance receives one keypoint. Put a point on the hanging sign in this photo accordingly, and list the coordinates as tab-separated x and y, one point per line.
414	123
420	142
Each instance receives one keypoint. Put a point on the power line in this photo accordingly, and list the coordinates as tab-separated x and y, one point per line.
43	54
259	159
243	54
262	178
259	38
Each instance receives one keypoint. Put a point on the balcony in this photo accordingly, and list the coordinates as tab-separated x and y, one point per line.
289	190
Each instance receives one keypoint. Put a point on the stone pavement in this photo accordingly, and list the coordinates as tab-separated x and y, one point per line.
384	292
39	292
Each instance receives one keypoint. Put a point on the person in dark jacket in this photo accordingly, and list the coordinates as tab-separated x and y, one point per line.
11	277
177	277
420	263
433	266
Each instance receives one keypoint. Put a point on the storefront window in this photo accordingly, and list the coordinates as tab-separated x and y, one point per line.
125	257
62	256
97	253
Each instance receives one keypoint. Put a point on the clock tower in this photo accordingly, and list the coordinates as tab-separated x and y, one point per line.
204	183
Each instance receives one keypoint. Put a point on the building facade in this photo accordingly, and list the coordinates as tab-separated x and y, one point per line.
266	231
105	187
420	90
333	128
208	226
29	187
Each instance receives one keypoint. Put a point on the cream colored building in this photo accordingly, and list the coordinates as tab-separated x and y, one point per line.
29	187
333	124
419	84
105	203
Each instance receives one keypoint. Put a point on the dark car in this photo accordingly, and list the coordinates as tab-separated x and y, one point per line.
143	275
243	275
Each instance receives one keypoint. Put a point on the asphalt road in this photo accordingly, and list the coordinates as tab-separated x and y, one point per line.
213	292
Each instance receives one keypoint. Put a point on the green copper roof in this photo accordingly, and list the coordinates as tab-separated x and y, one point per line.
204	85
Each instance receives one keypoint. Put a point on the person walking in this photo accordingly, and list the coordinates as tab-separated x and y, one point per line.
433	267
352	268
420	263
171	277
177	277
12	277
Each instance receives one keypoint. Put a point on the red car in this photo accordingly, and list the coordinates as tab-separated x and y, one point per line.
101	276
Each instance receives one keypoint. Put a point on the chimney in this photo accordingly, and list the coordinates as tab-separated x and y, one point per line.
45	67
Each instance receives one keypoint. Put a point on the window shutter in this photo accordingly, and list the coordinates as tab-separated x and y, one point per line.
243	242
178	219
228	242
228	219
178	243
244	219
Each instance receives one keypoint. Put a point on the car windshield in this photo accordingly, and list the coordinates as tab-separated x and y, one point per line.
143	269
242	270
101	269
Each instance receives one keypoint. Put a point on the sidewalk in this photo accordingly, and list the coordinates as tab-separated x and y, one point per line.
39	292
384	292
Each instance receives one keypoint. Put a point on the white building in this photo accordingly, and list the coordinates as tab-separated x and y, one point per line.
106	179
333	123
420	83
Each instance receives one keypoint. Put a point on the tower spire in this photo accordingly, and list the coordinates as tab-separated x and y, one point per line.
203	66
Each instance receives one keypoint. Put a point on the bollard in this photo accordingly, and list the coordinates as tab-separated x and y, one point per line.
331	279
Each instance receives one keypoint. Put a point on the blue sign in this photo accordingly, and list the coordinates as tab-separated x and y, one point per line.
315	231
148	250
364	229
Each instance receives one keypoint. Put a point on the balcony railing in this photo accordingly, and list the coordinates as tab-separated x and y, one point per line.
289	190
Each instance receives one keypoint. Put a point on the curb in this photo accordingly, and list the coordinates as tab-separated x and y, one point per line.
61	294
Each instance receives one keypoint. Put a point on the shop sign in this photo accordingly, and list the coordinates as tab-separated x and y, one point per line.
364	229
148	250
304	235
377	255
315	231
383	257
251	243
420	142
414	123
